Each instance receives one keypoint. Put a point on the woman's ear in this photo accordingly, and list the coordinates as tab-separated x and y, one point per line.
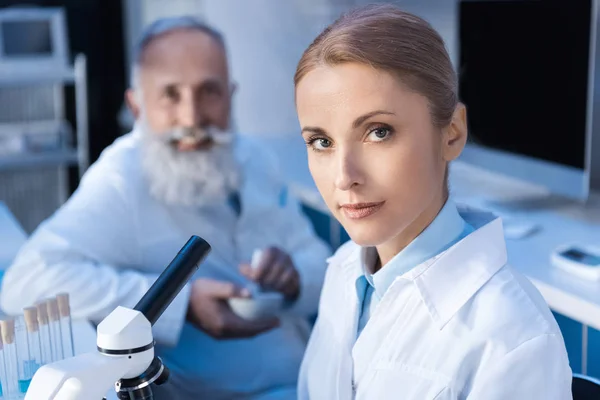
455	135
132	103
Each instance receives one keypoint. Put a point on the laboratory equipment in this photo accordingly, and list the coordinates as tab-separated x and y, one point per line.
508	82
38	143
55	332
45	341
254	287
125	344
33	36
578	259
66	328
11	358
262	304
3	377
33	339
24	360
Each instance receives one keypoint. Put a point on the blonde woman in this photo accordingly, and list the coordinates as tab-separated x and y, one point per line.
421	304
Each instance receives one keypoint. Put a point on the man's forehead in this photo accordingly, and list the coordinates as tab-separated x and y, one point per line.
183	53
159	77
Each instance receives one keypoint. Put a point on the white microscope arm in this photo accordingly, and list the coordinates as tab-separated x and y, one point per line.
85	377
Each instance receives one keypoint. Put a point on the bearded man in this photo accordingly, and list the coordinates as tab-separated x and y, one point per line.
183	172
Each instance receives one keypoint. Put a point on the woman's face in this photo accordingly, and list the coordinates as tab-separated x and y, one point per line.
375	156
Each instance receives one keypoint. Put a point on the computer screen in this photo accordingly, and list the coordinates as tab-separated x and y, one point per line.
523	75
26	38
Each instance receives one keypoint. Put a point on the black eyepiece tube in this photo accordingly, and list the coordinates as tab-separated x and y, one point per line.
173	279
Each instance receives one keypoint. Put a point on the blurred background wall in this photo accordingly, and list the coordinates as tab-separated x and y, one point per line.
266	39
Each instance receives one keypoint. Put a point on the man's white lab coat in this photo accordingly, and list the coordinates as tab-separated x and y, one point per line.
463	325
112	239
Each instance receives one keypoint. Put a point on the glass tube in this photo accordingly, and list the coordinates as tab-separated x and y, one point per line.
33	339
23	355
66	327
46	344
3	378
55	332
10	356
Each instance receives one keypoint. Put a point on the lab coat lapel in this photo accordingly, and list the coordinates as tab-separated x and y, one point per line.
352	272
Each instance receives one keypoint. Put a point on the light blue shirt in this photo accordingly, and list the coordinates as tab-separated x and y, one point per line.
445	230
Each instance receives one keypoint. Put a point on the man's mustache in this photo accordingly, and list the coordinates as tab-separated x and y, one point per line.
198	135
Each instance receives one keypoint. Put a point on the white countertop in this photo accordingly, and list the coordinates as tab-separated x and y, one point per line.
567	294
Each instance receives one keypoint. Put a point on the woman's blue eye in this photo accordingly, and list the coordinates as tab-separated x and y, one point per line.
379	134
320	143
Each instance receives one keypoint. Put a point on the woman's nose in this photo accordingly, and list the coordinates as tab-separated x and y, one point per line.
348	172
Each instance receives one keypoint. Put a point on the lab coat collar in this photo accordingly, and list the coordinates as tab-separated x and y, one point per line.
449	280
445	230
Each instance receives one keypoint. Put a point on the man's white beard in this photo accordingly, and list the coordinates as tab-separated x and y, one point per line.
189	178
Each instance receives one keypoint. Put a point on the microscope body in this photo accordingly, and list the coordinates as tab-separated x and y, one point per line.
125	350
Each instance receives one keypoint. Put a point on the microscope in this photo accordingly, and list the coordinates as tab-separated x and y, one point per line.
125	356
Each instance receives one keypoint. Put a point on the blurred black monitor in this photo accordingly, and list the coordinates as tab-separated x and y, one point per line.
525	72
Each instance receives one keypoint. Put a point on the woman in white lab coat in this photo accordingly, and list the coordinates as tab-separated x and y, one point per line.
421	304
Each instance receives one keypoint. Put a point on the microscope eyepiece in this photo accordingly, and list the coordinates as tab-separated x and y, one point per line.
153	304
174	277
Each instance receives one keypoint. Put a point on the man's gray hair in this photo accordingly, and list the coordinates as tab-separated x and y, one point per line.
166	25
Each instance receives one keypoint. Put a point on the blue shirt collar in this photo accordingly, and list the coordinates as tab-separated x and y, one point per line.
445	230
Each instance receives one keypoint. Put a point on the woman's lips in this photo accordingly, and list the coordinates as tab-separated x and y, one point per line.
361	210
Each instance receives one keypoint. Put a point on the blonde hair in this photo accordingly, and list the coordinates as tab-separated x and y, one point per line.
391	40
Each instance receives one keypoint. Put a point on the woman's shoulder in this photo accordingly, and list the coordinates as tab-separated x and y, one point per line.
519	311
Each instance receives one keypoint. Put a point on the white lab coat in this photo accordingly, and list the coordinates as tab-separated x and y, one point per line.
112	239
463	325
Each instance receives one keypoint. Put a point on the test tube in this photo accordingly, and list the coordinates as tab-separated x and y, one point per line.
3	378
10	358
46	344
55	333
66	327
33	338
23	355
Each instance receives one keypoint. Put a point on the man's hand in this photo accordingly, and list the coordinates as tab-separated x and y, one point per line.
276	271
209	311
